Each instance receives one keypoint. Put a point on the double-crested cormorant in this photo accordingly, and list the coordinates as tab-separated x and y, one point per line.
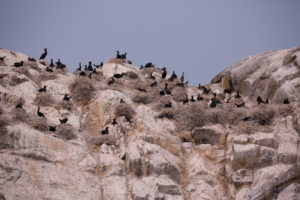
152	77
52	128
259	100
122	101
48	69
100	65
286	101
182	77
119	75
18	64
153	84
240	105
19	105
58	62
167	90
90	76
2	58
186	99
40	114
237	96
112	81
79	68
105	131
43	89
213	104
162	93
118	56
168	105
199	98
95	71
31	59
51	63
164	74
66	98
123	56
114	122
43	56
142	90
90	67
149	65
180	84
205	90
63	121
173	76
192	99
82	73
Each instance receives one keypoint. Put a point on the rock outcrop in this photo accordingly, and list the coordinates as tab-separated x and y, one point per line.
188	151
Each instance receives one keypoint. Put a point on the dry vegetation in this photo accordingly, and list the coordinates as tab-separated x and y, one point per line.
132	75
144	98
82	90
124	110
44	99
67	105
65	131
15	80
105	139
45	76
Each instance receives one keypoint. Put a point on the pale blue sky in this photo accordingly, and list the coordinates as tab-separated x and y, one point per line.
199	37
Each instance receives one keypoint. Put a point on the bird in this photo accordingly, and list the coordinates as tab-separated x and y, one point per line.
18	64
149	65
52	128
153	84
43	63
90	76
286	101
105	131
168	105
213	104
199	98
164	74
43	89
240	105
85	67
259	100
118	56
51	63
2	58
237	96
100	65
40	114
43	56
142	90
19	105
180	84
192	99
112	81
58	62
82	73
122	101
114	122
90	67
167	90
214	99
123	56
79	68
66	98
162	93
267	101
173	76
119	75
182	77
63	121
152	77
186	99
48	69
205	90
94	71
31	59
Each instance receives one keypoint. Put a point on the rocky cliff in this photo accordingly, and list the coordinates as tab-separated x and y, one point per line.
160	146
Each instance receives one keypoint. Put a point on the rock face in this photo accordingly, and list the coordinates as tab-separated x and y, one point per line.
189	151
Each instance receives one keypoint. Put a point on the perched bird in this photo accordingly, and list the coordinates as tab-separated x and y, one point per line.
286	101
112	81
51	63
43	56
79	68
167	90
152	77
164	74
90	76
180	84
153	84
2	58
66	98
199	98
213	104
18	64
267	101
31	59
173	76
105	131
122	101
63	121
119	75
43	89
192	99
118	56
259	100
82	73
114	122
182	77
100	65
142	90
237	96
214	99
94	71
58	62
162	93
52	128
168	105
149	65
40	114
48	69
19	105
240	105
90	67
205	90
186	99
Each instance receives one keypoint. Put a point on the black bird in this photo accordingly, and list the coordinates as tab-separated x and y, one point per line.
58	62
52	128
19	105
142	90
105	131
164	74
63	121
214	99
49	69
167	90
94	71
286	101
122	101
31	59
82	73
152	77
79	68
192	99
205	90
168	105
267	101
18	64
180	84
259	100
43	56
141	67
182	77
149	65
119	75
173	76
66	98
153	84
2	58
51	64
100	65
90	67
123	56
246	118
39	113
43	63
213	104
186	99
237	96
162	93
85	67
43	89
240	105
114	122
199	98
90	76
118	56
112	81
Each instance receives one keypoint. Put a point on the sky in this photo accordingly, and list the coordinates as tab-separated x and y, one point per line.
198	37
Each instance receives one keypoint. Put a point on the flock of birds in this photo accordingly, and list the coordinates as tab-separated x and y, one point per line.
166	90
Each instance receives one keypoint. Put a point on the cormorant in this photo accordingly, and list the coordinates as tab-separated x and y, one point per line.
153	84
123	56
48	69
149	65
31	59
162	93
141	67
90	76
213	104
192	99
52	128
118	56
122	101
19	105
168	105
152	77
205	90
259	100
267	101
82	73
112	81
43	56
286	101
90	67
85	67
18	64
186	99
51	64
240	105
100	65
66	98
180	84
182	77
142	90
58	62
119	75
39	113
94	71
79	68
114	122
237	96
214	99
43	89
199	98
164	74
63	121
2	58
167	90
173	76
105	131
